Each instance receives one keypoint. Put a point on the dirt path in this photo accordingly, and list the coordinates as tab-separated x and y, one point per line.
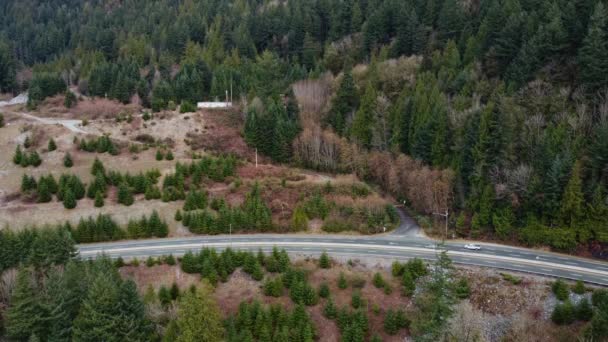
72	125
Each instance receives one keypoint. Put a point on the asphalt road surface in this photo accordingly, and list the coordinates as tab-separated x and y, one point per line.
392	247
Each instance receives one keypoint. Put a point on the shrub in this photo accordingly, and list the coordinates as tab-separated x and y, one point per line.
356	301
70	99
583	310
69	200
169	155
273	287
67	160
99	199
462	289
330	311
159	155
187	107
563	314
599	298
378	281
324	290
408	284
560	289
52	146
1	120
579	287
511	278
178	215
342	283
125	195
150	261
324	261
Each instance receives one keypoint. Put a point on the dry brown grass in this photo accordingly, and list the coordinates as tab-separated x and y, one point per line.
91	108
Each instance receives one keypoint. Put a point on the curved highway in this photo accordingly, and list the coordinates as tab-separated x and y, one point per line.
389	246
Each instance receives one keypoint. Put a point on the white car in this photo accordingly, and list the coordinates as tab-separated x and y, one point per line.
472	246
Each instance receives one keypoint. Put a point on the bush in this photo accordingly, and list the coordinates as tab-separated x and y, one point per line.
395	321
324	261
599	298
583	310
169	155
408	284
187	107
330	311
579	287
69	200
378	281
125	195
560	290
563	314
67	160
70	99
52	146
159	155
356	301
178	215
342	283
99	199
462	289
511	278
1	120
324	290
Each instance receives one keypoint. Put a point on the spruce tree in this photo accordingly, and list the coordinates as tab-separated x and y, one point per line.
44	193
18	156
573	199
199	317
324	261
99	314
52	146
99	202
67	160
25	315
344	102
125	195
97	168
361	130
593	55
69	200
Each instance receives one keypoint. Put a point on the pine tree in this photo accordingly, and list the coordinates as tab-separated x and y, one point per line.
97	168
342	283
67	160
324	261
199	318
69	200
25	315
18	156
44	193
99	313
572	201
99	202
593	55
52	146
125	195
361	130
159	155
344	102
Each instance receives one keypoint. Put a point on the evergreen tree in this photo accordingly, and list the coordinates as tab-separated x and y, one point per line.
99	199
344	102
361	130
573	199
97	168
25	316
52	146
125	195
69	200
324	261
593	55
67	160
199	317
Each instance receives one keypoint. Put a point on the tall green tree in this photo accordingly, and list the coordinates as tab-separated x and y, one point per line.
361	129
199	318
593	55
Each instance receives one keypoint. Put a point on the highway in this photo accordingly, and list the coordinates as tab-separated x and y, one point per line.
388	246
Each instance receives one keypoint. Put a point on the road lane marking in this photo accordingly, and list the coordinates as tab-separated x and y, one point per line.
328	245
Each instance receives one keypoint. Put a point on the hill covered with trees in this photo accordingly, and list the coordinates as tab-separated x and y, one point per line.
496	109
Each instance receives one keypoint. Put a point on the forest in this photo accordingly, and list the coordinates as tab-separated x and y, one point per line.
499	106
